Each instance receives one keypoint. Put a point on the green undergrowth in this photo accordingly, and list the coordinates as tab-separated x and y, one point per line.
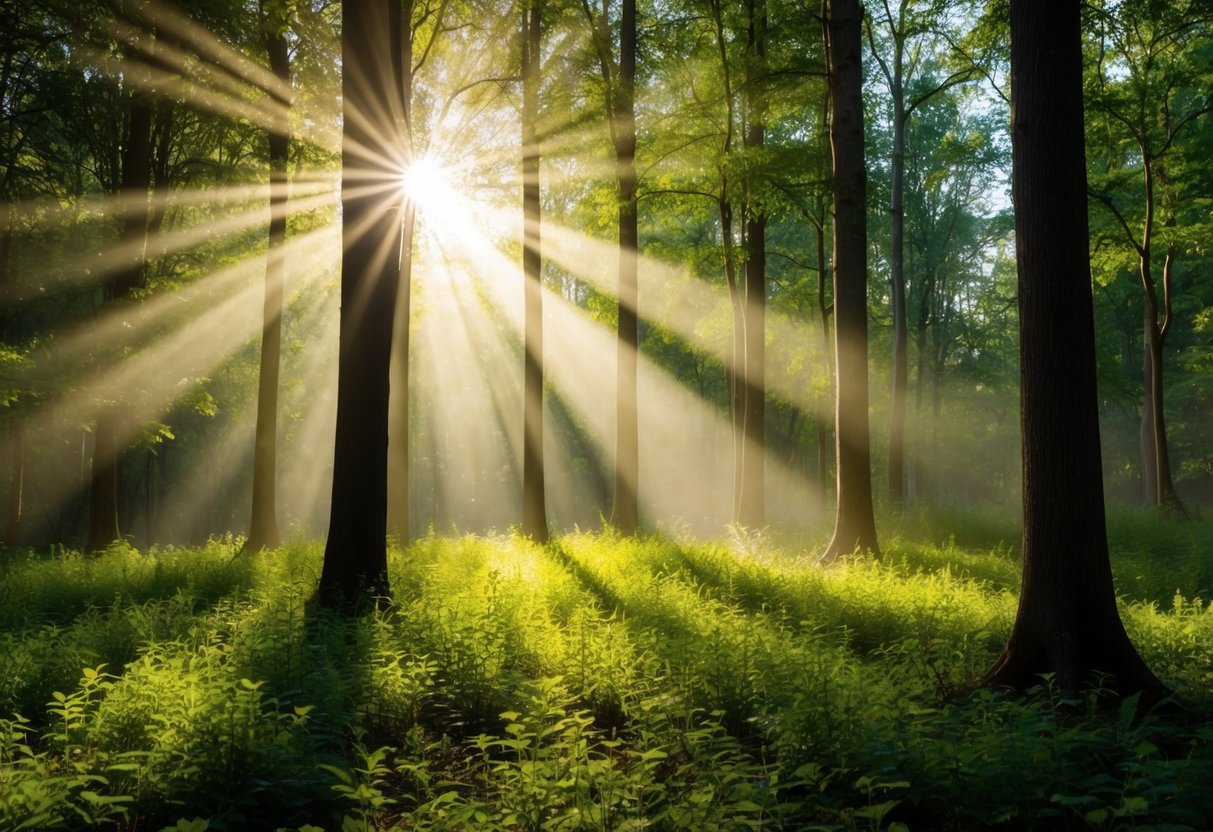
597	683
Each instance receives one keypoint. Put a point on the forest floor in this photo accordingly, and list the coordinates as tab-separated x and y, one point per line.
596	683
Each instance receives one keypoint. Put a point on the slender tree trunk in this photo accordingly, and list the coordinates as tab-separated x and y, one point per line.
103	523
855	523
16	482
820	414
625	514
734	368
752	514
400	513
103	483
1149	455
263	526
824	309
1067	622
355	554
16	434
897	275
534	501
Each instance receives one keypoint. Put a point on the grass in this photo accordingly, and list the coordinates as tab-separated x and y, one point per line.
597	683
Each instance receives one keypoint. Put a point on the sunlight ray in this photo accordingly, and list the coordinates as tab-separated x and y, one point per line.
121	255
139	325
686	464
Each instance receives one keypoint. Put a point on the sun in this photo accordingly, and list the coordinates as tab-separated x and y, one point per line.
427	183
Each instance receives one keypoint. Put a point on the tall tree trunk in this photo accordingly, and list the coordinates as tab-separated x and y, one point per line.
16	482
355	554
752	514
1155	334
897	276
734	368
534	501
1067	622
263	526
8	312
820	415
824	309
625	513
399	516
1149	455
103	521
855	522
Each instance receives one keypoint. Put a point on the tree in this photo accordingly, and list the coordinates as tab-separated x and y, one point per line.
751	511
619	85
355	554
907	25
1147	92
534	510
854	520
136	162
1067	622
263	527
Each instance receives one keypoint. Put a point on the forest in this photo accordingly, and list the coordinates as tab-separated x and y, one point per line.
606	415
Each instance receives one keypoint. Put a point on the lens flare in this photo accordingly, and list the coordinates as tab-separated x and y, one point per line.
427	183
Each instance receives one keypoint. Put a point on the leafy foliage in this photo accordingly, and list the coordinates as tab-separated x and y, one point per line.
597	683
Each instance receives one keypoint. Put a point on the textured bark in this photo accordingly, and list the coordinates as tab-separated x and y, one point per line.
263	526
355	554
854	523
534	502
1067	623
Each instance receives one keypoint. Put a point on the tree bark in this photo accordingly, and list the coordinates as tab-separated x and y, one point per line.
355	554
534	501
1067	622
263	526
854	523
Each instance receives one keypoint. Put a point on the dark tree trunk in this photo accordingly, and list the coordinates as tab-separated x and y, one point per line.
625	513
16	434
355	554
824	308
855	523
534	502
16	482
103	483
1067	623
752	510
897	275
103	521
1149	455
263	526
